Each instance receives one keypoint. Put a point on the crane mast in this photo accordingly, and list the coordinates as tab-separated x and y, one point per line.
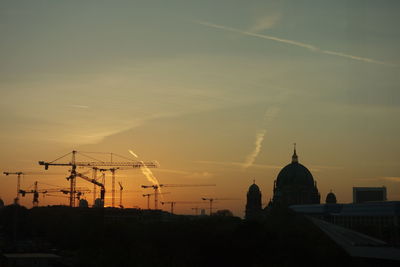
19	174
120	195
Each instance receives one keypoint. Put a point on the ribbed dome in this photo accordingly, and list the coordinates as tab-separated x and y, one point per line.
254	188
295	174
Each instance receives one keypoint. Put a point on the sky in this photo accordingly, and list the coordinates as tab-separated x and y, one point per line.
214	91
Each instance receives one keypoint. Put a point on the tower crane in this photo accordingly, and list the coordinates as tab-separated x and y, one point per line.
73	163
19	174
112	170
94	177
211	200
153	194
102	188
173	203
36	191
156	188
120	195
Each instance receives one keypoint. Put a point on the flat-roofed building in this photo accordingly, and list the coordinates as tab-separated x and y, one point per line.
381	219
368	194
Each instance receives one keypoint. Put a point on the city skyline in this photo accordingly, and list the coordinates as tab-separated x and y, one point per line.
214	92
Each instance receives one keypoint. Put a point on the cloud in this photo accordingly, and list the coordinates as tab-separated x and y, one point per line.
188	174
391	179
200	175
318	168
78	106
295	43
237	164
264	23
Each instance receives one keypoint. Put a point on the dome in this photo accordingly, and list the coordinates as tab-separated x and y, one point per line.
295	185
295	174
254	188
330	198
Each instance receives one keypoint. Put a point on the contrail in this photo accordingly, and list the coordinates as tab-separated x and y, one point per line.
295	43
147	173
253	155
130	151
270	114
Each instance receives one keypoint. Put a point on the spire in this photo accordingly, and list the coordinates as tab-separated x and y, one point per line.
254	181
295	159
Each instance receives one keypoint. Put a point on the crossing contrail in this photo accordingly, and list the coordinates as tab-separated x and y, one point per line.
295	43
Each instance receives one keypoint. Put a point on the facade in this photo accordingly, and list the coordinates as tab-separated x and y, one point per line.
367	194
253	205
381	219
295	185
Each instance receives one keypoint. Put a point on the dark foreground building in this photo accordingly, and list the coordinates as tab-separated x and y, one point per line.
379	219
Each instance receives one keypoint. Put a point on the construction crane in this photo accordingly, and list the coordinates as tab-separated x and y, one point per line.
156	188
120	195
112	170
36	191
96	163
211	200
102	188
153	194
19	174
173	203
94	177
78	193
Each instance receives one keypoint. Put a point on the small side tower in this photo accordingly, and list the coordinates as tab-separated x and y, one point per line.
330	198
253	205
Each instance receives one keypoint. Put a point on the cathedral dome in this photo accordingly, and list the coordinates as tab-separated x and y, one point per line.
295	174
295	185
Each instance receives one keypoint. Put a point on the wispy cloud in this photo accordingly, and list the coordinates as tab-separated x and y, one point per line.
294	43
270	114
237	164
265	22
391	179
188	174
318	168
79	106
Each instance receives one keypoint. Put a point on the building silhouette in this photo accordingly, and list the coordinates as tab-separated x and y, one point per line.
295	185
330	198
368	194
253	205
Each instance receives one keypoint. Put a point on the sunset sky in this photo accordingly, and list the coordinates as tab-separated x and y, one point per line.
215	91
